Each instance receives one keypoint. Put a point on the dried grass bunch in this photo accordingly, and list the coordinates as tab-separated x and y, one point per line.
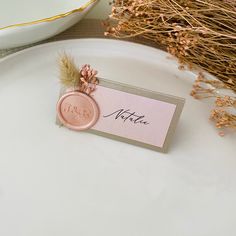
200	33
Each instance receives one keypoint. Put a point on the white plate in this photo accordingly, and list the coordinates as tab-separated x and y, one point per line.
28	21
57	182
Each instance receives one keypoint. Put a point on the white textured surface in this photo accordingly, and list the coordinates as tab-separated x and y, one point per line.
57	182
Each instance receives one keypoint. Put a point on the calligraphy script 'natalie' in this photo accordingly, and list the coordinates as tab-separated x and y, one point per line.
127	115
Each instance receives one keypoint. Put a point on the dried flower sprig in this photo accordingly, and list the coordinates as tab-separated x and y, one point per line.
225	101
83	79
88	79
69	74
223	119
223	115
206	88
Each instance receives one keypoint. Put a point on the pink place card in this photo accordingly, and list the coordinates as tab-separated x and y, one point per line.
135	115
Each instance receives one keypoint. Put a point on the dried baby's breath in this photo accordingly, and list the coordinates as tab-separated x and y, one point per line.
201	34
197	32
225	106
225	101
223	119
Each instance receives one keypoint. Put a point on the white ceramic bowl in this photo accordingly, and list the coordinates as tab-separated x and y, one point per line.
27	21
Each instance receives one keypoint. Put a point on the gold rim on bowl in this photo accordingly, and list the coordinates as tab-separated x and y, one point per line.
52	18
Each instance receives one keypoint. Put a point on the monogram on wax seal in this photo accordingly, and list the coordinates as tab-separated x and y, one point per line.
77	111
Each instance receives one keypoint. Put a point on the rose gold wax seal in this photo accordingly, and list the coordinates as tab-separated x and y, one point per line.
77	111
